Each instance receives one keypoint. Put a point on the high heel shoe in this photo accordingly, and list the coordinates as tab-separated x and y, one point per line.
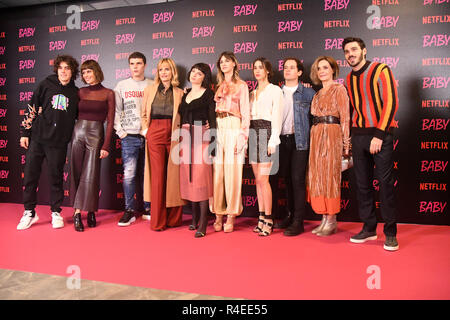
267	229
329	228
258	228
229	225
322	224
77	223
199	234
218	223
91	222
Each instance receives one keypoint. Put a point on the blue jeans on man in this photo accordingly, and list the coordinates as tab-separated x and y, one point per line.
133	160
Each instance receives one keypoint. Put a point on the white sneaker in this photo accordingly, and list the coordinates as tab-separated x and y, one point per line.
27	220
146	216
57	220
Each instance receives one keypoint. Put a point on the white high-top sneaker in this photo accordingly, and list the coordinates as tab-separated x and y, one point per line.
57	220
27	220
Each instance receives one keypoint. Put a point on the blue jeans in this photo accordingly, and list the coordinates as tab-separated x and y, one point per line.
133	160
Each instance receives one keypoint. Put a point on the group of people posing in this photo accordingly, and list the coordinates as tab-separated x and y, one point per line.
189	146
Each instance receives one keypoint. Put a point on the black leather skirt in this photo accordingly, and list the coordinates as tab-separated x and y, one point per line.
87	141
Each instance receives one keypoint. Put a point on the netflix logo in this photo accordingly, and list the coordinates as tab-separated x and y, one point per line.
122	21
203	13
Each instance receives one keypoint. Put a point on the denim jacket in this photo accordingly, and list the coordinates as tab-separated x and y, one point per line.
302	103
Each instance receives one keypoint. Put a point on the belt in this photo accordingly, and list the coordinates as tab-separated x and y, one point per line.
326	120
136	135
223	114
287	136
161	117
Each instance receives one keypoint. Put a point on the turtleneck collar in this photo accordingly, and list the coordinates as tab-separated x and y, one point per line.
97	86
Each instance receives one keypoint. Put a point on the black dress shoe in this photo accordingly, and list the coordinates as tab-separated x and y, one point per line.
294	229
77	223
91	222
283	224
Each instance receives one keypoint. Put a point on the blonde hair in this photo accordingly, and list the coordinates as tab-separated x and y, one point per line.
220	76
175	82
314	68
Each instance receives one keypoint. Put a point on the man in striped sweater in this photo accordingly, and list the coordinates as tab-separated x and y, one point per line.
373	96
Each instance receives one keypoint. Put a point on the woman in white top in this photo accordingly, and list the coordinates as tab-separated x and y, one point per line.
266	113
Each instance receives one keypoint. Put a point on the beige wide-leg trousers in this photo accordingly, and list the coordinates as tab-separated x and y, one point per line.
227	178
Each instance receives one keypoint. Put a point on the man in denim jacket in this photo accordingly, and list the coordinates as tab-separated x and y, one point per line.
294	147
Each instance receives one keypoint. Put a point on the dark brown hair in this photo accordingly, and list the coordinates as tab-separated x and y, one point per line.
71	62
361	43
300	66
267	66
206	70
94	66
137	55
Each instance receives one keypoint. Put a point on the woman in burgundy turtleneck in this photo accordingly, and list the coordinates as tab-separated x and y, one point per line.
90	143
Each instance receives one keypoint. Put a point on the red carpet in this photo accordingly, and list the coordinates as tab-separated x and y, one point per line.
239	264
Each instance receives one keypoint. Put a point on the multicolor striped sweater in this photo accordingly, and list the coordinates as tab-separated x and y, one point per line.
373	96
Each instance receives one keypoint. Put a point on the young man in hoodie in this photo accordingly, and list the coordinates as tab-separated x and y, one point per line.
127	123
45	133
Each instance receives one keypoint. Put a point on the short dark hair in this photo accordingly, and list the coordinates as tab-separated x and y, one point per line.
95	67
206	70
71	62
267	65
137	55
300	66
361	43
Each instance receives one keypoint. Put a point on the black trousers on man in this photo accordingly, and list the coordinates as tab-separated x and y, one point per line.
293	165
366	167
56	158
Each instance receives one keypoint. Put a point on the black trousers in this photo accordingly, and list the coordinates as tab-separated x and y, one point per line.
56	158
293	165
365	172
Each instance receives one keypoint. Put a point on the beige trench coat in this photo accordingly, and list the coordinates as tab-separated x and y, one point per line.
173	196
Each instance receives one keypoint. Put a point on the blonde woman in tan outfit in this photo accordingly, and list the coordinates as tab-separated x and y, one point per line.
160	118
329	142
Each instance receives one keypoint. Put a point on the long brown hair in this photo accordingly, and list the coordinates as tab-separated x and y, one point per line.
220	76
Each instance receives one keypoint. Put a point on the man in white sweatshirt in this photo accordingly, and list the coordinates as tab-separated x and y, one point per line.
127	123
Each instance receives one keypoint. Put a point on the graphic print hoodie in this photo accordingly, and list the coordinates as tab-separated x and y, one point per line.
51	113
